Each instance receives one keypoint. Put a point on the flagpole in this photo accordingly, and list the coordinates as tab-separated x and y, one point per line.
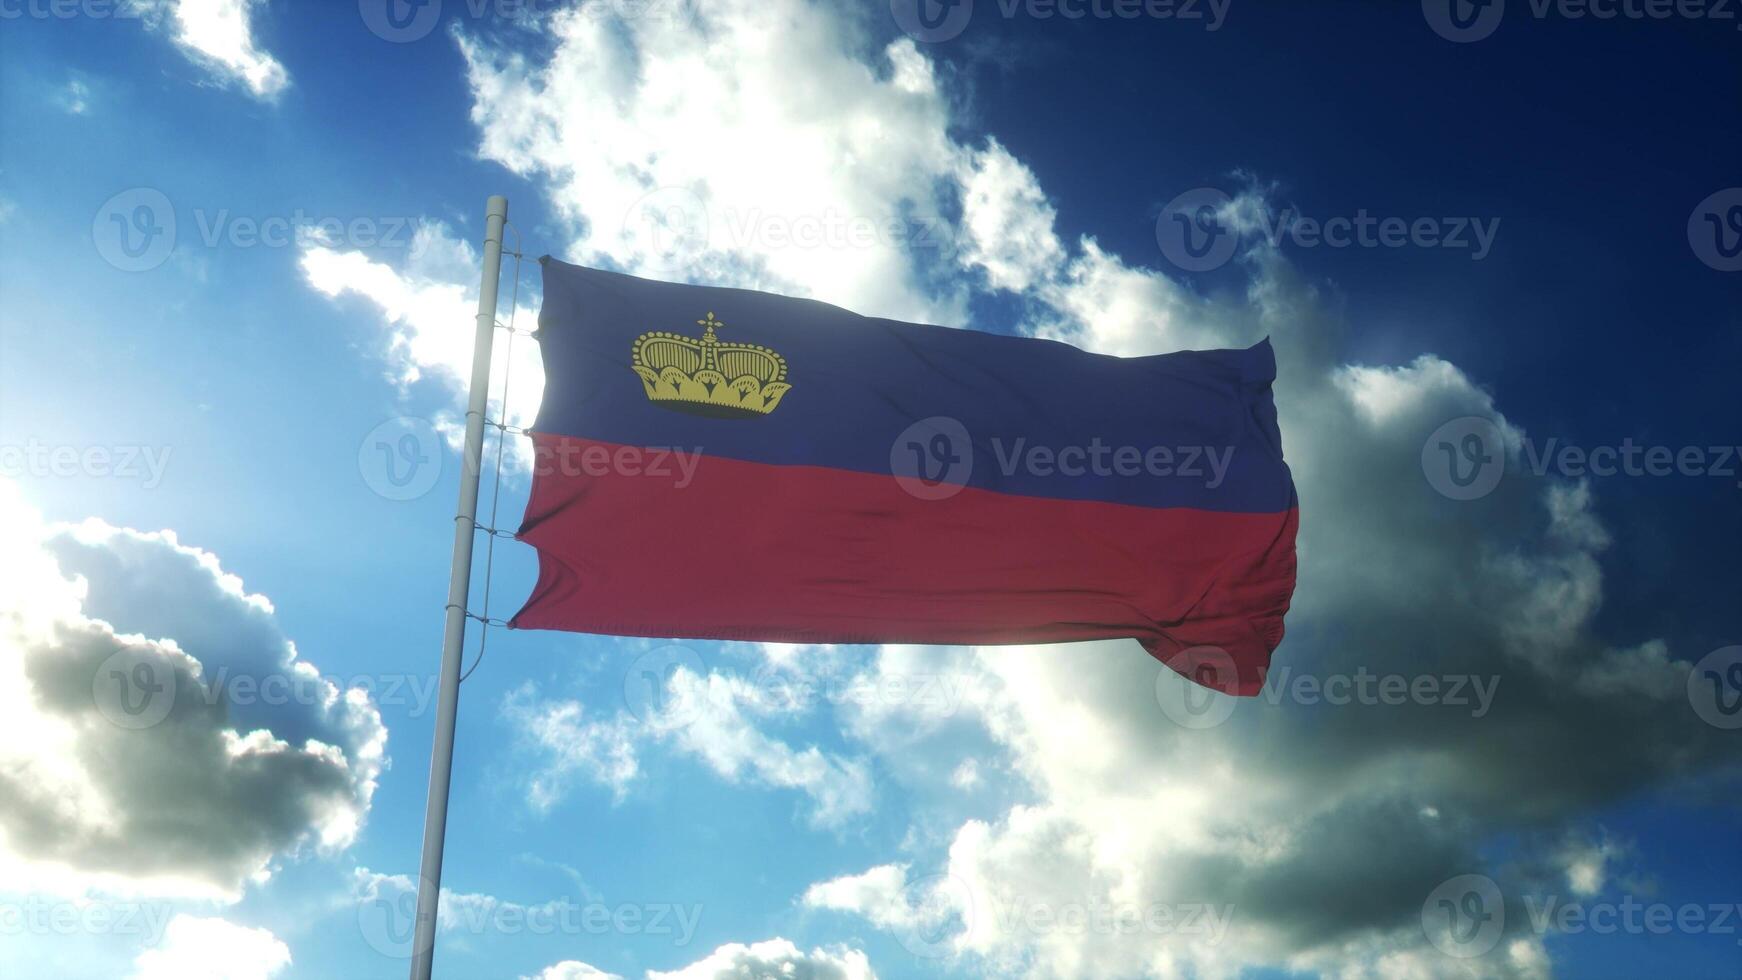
441	761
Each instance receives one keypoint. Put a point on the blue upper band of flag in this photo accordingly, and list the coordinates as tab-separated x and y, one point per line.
1193	429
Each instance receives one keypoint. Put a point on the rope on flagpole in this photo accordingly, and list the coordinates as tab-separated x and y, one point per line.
503	431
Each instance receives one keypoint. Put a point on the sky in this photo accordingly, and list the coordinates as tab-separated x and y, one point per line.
1495	246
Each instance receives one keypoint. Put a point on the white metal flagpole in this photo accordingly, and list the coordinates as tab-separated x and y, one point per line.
441	762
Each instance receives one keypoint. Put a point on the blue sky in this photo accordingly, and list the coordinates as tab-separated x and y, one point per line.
1566	280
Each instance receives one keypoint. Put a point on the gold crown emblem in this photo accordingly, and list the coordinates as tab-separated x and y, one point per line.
709	376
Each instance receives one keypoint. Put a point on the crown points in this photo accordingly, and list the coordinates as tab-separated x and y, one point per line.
706	376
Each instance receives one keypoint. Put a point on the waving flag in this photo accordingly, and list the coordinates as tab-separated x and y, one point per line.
718	463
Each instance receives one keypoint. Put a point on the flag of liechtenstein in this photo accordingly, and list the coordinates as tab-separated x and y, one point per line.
724	464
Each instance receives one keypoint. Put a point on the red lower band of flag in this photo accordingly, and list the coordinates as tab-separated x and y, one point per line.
639	542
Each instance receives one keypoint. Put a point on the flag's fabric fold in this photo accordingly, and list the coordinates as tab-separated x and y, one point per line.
717	463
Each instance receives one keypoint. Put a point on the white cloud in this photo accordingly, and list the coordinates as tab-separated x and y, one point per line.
715	718
430	307
158	733
749	144
720	727
774	958
212	949
219	34
572	970
880	895
569	744
1007	221
75	98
